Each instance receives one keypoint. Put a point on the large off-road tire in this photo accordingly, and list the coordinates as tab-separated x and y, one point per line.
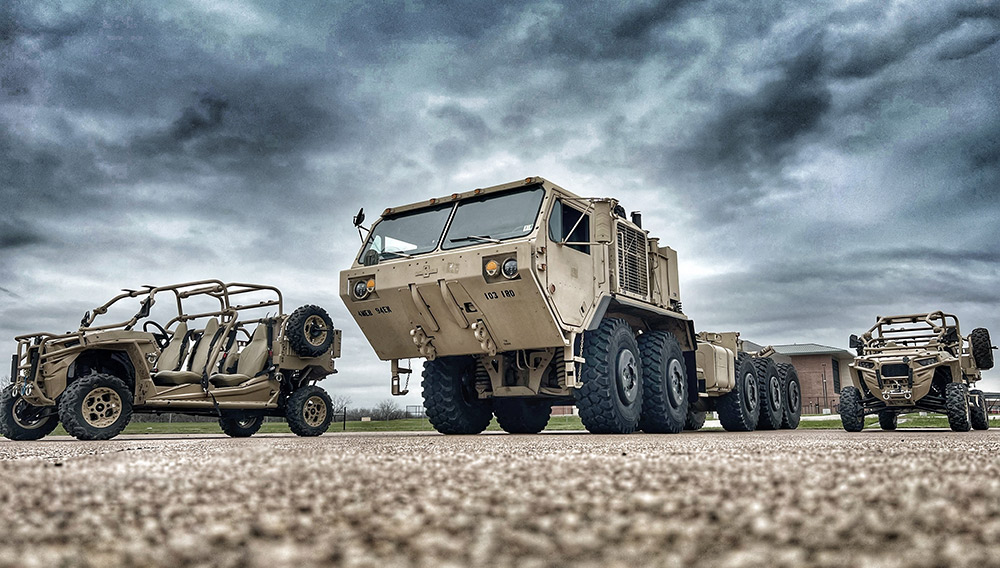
769	385
522	415
309	411
887	419
610	400
978	416
694	420
96	407
956	401
20	421
450	398
309	331
664	383
740	407
791	412
240	426
852	412
982	348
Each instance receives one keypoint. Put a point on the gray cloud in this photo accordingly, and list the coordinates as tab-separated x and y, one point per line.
814	165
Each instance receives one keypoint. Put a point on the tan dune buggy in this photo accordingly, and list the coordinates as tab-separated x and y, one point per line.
225	350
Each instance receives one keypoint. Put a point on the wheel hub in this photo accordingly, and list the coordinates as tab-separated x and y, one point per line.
101	407
26	417
628	376
675	382
774	386
315	330
793	395
750	382
314	411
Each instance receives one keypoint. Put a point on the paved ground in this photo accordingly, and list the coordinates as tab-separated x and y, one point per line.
818	498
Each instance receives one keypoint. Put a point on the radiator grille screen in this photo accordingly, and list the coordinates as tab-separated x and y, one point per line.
633	259
895	370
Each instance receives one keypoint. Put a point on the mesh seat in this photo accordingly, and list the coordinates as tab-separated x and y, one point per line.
199	359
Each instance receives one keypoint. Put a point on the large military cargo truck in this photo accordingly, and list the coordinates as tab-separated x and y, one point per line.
917	362
522	296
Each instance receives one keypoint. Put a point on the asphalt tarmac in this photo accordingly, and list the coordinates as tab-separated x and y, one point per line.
801	498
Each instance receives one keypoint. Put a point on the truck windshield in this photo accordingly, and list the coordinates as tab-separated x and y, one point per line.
493	218
406	234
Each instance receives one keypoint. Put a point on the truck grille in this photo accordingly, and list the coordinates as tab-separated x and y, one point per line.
895	370
633	259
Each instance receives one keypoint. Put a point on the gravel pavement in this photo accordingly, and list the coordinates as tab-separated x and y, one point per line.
816	498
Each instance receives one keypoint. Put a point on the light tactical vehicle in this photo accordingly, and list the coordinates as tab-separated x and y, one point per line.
201	361
917	362
522	296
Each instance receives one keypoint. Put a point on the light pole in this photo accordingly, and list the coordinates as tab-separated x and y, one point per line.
826	402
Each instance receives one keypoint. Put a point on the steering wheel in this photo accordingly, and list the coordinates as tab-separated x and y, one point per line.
162	338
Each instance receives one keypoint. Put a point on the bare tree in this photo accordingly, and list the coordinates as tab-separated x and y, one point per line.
387	410
340	403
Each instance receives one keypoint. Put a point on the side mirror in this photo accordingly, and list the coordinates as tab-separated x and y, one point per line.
855	342
603	227
360	217
85	322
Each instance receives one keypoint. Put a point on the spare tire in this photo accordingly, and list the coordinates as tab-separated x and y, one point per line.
309	331
982	348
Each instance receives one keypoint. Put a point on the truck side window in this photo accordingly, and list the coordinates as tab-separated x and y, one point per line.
562	221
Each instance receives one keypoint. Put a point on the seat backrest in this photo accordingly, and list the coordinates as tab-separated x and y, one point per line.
173	354
205	346
254	355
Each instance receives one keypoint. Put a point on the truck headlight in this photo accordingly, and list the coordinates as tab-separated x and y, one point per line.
510	268
362	288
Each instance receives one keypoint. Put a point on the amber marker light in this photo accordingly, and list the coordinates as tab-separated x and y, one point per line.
492	267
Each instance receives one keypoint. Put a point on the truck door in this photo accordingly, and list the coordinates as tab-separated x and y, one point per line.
569	273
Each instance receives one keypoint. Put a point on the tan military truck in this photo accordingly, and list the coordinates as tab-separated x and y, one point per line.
523	296
917	362
205	359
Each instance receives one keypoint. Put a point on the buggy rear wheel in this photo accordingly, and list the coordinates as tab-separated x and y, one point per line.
309	411
978	416
887	419
956	397
240	426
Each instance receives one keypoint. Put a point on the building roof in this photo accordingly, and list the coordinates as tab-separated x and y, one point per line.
812	349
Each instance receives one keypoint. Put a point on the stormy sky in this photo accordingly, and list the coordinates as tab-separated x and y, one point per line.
814	163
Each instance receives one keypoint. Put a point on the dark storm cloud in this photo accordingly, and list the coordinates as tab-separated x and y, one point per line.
759	130
814	163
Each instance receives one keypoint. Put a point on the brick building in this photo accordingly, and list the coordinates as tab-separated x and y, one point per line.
822	372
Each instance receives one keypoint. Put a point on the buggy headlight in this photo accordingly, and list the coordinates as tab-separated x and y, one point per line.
928	361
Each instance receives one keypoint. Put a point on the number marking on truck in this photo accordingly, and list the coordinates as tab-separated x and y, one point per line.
499	294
